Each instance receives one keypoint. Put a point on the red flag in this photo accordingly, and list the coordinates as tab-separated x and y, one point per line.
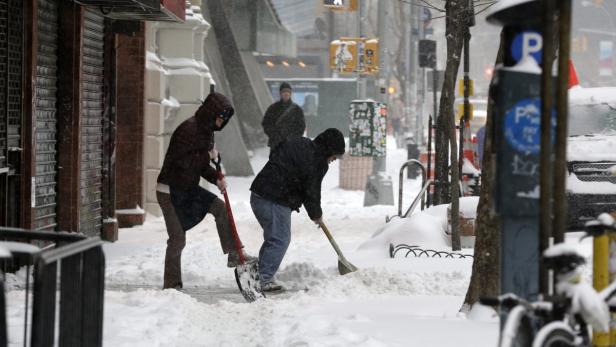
573	78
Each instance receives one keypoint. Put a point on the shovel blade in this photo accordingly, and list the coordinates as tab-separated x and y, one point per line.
344	267
247	278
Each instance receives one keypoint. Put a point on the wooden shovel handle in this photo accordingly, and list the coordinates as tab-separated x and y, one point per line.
331	239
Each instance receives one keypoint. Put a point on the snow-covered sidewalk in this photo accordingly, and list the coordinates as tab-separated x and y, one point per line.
388	302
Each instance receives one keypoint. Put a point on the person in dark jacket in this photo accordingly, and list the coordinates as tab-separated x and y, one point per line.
283	118
291	178
183	202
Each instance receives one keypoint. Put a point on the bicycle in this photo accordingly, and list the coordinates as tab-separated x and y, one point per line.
524	318
560	320
585	305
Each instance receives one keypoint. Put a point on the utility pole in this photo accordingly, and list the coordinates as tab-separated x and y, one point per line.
422	82
379	189
562	105
545	167
361	81
411	76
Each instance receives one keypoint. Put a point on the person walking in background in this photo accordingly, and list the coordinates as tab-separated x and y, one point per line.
481	138
183	202
291	178
283	119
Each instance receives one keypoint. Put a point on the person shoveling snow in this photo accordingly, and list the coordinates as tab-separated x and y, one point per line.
183	202
291	178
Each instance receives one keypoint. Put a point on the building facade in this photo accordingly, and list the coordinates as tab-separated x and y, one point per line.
71	103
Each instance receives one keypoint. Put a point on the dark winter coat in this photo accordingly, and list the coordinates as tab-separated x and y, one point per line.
294	172
283	120
187	157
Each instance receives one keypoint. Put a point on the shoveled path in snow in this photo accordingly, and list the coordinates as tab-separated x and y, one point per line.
207	295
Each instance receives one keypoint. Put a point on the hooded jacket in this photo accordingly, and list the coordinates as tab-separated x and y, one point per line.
294	172
187	157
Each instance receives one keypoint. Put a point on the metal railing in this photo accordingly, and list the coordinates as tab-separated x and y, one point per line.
418	252
69	284
425	183
401	182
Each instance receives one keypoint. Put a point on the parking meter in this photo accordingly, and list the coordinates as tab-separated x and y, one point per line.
517	144
412	152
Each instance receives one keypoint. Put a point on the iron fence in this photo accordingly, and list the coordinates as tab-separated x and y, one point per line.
68	288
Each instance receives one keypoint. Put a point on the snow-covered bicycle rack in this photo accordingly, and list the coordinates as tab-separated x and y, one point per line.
425	184
418	252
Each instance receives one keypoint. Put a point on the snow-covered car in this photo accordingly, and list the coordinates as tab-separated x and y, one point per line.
591	154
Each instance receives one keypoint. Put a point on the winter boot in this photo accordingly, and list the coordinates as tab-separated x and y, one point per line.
272	286
233	260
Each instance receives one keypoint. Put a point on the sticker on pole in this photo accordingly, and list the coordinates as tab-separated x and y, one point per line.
523	126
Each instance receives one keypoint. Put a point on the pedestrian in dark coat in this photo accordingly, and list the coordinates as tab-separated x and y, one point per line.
283	118
291	178
183	202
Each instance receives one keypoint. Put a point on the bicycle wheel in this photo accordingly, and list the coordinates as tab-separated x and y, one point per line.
517	330
555	334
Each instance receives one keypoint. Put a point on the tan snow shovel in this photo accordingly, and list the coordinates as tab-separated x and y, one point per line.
344	267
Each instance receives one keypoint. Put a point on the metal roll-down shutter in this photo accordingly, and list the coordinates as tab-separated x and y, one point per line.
92	123
46	113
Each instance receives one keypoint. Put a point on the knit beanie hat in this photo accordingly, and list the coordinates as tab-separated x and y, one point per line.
285	85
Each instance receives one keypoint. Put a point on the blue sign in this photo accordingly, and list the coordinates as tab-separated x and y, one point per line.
523	126
527	43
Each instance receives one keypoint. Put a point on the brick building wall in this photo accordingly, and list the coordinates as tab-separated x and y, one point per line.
130	74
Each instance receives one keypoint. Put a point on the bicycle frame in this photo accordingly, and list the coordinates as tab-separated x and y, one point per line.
512	324
547	329
512	328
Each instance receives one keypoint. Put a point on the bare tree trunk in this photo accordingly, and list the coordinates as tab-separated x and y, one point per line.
485	278
455	29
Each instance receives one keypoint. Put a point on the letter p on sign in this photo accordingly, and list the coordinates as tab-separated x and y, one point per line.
527	43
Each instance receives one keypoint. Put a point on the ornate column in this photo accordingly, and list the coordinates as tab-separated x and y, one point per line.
177	81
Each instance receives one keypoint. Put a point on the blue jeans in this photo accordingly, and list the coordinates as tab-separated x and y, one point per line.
275	219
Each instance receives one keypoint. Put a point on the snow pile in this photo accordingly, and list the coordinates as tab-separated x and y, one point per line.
424	229
575	185
17	280
592	96
468	206
470	169
481	313
301	275
591	148
527	64
372	283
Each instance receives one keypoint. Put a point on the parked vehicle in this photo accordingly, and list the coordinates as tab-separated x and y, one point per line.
591	154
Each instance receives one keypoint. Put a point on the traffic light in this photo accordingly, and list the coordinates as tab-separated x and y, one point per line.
371	56
427	53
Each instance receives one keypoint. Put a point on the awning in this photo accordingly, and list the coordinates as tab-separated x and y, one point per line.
146	10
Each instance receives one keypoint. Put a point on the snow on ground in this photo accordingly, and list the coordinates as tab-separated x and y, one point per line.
388	302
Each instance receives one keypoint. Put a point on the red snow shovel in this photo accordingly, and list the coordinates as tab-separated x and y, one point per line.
344	266
246	274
